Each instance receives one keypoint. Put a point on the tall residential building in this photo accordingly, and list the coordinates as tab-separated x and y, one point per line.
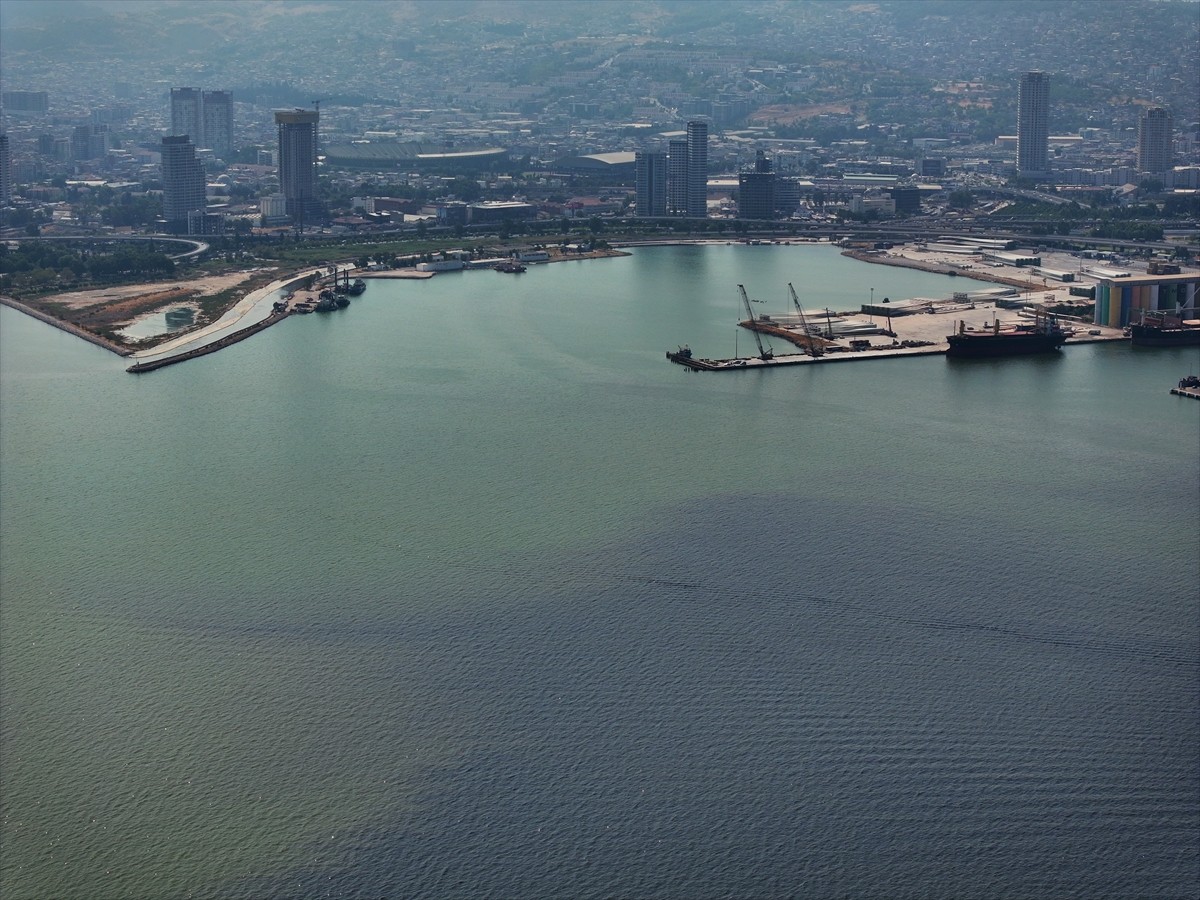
90	141
1033	124
187	117
183	182
677	177
1155	133
756	190
697	171
651	183
217	122
298	162
5	172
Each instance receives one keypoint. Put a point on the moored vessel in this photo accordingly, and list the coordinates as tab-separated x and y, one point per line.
1159	329
1043	335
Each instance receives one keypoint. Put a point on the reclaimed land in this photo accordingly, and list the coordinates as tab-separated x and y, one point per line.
68	327
221	343
871	256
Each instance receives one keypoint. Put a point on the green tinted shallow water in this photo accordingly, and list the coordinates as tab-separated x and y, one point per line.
292	618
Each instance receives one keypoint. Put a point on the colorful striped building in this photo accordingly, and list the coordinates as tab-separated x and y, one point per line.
1120	301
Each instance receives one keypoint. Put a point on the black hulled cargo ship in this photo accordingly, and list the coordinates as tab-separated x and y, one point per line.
1043	335
1159	329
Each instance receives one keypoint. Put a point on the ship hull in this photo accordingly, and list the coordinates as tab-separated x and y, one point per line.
1149	336
983	345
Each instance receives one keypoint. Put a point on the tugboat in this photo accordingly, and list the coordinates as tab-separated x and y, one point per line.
327	301
1043	336
356	288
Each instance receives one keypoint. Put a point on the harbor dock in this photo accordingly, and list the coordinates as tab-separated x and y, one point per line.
914	328
1188	387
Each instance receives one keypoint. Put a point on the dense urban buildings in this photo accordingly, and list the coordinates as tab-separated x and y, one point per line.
298	162
697	169
651	183
456	129
183	185
1155	135
1033	125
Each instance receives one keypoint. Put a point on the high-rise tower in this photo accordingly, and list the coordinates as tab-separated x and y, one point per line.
186	114
1155	129
697	169
650	171
1033	124
756	190
677	177
298	162
183	182
217	122
5	172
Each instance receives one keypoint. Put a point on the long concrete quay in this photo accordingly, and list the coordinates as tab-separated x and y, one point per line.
741	364
139	367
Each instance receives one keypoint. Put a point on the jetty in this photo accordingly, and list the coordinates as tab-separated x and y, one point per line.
1188	387
277	315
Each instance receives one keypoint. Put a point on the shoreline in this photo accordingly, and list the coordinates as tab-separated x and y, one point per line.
75	330
204	349
871	256
230	327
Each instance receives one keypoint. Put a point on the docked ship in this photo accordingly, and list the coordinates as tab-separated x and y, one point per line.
1158	329
1043	335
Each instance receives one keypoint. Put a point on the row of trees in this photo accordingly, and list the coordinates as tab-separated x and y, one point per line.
38	266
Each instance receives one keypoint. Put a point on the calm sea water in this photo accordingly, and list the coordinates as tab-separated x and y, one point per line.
466	592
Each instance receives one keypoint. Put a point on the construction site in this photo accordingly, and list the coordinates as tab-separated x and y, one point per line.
912	327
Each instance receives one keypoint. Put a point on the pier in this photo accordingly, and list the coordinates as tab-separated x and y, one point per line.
1188	387
900	330
240	335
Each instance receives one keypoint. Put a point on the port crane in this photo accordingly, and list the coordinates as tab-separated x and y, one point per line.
810	341
762	354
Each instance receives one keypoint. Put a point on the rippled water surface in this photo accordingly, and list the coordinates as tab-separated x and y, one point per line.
465	591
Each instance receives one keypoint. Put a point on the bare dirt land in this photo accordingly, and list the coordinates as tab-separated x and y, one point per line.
105	311
165	291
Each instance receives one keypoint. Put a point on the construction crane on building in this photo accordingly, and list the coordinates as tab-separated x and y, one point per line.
762	354
810	340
